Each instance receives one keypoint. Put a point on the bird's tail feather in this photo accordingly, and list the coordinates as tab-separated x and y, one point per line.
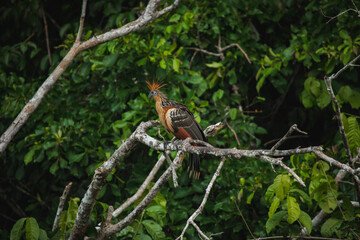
194	165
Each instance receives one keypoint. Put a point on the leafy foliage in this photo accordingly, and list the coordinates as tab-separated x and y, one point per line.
102	97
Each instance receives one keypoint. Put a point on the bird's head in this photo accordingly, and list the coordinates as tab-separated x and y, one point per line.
154	88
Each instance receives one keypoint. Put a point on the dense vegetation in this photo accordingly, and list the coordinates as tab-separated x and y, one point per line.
102	97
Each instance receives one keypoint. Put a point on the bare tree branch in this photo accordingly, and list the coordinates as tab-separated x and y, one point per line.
203	202
140	135
233	131
112	229
286	136
141	189
150	14
210	131
89	199
220	52
296	237
328	81
61	205
355	9
343	167
278	161
82	20
46	35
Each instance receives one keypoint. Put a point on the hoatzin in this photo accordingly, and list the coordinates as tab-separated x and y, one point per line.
178	120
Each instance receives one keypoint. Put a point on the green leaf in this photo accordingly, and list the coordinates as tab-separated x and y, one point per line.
142	237
29	156
324	98
305	220
354	100
84	70
157	212
141	62
214	65
110	60
217	95
282	186
17	230
330	226
232	113
306	99
293	209
303	196
270	192
344	34
353	133
328	203
195	79
73	157
162	64
174	18
160	200
31	229
176	64
348	210
43	235
154	229
274	221
250	197
54	167
274	206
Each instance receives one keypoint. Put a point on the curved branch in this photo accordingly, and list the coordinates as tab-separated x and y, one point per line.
140	135
149	16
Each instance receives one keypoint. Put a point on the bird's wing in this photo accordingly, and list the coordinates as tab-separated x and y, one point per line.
183	123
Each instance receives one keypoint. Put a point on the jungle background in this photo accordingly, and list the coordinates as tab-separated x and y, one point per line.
102	97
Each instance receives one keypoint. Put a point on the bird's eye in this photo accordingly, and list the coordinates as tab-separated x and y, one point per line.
153	92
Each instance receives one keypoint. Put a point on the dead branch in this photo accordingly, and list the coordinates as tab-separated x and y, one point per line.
210	131
149	15
140	135
61	205
46	35
112	229
81	22
343	167
141	189
328	81
233	131
355	9
220	52
286	136
203	202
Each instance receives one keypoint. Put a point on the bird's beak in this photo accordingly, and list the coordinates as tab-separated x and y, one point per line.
149	96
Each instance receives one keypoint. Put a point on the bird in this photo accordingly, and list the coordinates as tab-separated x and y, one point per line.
178	120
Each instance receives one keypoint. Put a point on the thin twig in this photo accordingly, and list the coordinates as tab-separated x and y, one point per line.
242	216
149	16
201	207
29	37
46	35
114	228
233	131
277	161
296	237
328	81
350	9
285	137
61	206
173	170
82	20
221	50
141	189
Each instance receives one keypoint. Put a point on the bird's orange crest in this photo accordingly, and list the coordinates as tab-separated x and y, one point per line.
155	85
